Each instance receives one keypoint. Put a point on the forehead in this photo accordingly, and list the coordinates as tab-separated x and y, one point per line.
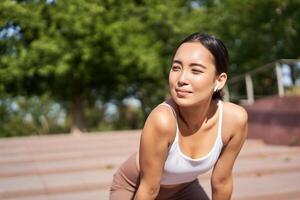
194	52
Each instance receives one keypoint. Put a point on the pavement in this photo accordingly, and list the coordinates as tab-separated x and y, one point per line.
80	167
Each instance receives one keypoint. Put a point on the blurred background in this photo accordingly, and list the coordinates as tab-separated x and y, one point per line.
78	78
97	65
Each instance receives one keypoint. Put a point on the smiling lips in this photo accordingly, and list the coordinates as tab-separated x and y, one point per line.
181	92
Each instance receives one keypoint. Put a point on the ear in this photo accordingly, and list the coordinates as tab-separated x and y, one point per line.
220	81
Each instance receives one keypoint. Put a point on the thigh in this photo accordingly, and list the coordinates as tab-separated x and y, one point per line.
193	191
125	180
121	194
187	191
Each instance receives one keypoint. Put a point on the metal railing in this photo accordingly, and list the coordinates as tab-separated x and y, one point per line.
274	74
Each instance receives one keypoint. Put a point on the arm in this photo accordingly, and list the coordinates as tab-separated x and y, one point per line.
221	180
153	152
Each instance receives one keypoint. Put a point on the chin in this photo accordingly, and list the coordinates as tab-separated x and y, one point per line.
188	101
183	102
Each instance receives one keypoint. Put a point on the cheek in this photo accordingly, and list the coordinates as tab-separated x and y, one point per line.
172	79
202	82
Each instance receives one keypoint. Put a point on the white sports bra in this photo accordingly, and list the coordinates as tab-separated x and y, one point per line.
180	168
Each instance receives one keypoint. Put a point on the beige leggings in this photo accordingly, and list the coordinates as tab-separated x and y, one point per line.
126	180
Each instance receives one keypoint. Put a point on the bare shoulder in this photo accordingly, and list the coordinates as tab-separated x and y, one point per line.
237	114
161	122
235	122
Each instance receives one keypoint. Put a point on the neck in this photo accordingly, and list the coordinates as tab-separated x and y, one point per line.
194	117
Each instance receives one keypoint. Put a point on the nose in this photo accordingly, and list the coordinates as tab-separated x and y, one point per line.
182	80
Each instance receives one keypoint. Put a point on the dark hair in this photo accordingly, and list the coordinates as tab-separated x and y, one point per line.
217	49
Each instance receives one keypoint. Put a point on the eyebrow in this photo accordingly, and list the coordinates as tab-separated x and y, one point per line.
191	64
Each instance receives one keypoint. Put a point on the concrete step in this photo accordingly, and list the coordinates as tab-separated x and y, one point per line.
45	162
47	153
283	186
256	189
38	156
84	163
42	183
81	167
55	183
63	143
74	195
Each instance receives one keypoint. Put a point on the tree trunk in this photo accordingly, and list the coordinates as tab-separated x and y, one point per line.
78	125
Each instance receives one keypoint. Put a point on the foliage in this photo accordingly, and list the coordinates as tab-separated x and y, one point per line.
82	52
30	116
256	32
89	50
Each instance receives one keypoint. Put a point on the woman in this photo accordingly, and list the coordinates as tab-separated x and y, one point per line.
189	133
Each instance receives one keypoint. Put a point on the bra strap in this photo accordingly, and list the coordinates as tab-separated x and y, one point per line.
220	106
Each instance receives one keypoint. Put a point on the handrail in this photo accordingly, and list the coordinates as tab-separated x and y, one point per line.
261	68
247	76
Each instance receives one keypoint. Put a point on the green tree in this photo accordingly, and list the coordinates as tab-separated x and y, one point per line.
22	116
64	51
256	32
88	49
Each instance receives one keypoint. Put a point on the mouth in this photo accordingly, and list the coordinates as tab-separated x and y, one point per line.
181	92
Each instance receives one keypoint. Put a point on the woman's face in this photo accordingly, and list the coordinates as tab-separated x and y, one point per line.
192	77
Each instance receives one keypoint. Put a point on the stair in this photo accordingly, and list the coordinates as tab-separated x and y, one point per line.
66	167
275	120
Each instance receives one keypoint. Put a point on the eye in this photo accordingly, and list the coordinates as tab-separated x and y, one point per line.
175	68
196	71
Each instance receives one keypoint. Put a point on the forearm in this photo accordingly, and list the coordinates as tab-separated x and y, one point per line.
222	191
